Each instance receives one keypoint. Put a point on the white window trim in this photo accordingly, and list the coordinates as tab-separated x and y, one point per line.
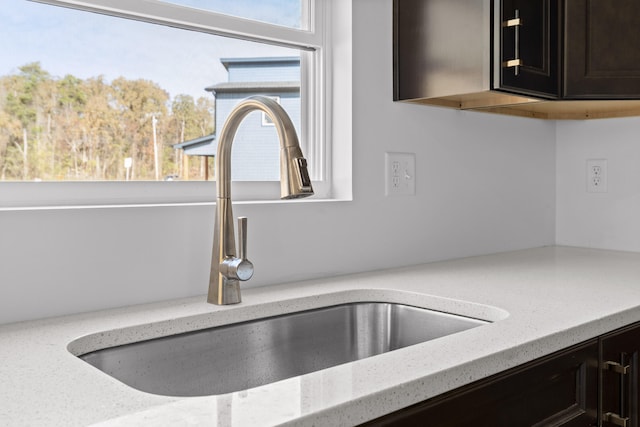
331	70
205	21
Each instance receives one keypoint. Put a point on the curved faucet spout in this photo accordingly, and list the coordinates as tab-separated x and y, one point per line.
227	269
294	179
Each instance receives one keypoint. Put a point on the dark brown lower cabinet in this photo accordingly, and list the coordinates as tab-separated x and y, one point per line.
557	390
592	384
619	363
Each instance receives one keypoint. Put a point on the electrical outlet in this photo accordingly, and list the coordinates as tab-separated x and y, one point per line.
400	171
597	176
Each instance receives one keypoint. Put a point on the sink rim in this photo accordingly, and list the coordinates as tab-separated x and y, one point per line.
202	364
246	312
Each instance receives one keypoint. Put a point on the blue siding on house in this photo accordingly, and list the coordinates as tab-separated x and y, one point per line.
255	155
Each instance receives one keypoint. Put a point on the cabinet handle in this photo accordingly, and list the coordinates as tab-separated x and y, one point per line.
615	419
623	369
516	23
616	367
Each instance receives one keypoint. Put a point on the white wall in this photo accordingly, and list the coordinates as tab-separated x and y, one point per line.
599	220
485	184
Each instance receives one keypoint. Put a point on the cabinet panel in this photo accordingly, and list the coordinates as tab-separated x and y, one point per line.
620	351
529	35
558	390
440	47
602	49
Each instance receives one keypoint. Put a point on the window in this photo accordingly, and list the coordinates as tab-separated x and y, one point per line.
125	43
266	120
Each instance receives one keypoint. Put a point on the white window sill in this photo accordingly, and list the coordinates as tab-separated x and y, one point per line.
32	196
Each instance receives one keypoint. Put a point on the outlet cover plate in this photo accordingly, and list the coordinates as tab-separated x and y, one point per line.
400	174
597	176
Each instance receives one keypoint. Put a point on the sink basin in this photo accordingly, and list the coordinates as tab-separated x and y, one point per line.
236	357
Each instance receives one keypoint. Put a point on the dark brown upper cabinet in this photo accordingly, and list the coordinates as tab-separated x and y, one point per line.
554	59
528	63
602	49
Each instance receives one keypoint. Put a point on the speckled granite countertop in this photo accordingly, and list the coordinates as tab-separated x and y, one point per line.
539	300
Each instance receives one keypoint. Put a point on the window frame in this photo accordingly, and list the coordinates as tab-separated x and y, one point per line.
314	45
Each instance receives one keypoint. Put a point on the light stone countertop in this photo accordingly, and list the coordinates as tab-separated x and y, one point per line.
539	300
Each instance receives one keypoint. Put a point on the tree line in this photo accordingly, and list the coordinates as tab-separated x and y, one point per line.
69	128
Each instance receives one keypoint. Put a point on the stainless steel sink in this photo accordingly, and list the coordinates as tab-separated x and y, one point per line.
244	355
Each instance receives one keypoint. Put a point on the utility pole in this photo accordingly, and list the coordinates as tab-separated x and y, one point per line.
154	121
25	157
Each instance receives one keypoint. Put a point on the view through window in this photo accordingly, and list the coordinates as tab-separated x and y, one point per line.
89	97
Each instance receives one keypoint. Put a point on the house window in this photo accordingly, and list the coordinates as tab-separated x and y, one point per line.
266	120
95	92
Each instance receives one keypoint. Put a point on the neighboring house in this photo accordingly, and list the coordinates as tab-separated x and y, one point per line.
255	152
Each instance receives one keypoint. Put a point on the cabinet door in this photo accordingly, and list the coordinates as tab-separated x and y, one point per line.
558	390
528	53
602	49
620	373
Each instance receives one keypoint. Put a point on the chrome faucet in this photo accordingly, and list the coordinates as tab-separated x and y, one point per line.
228	269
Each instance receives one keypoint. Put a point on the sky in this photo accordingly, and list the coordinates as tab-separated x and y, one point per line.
66	41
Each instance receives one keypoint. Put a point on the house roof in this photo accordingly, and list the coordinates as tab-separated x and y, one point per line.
253	87
203	146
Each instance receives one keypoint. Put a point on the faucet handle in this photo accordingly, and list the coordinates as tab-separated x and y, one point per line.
238	268
244	267
242	237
